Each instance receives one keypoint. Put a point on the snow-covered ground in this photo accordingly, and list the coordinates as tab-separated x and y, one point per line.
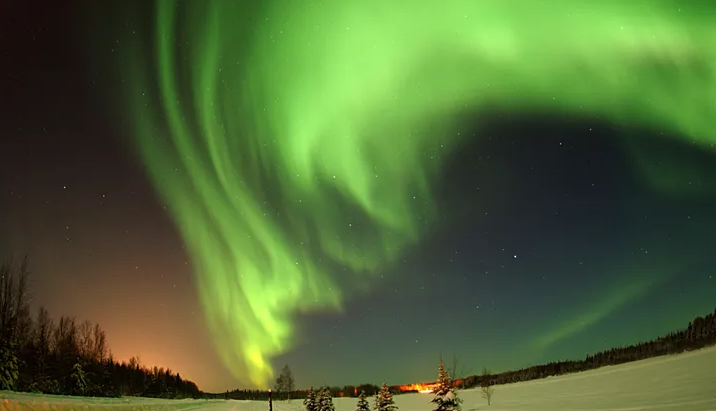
684	382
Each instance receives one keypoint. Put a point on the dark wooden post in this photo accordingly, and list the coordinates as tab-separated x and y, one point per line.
270	401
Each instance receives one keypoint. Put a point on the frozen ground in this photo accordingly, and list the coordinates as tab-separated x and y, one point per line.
684	382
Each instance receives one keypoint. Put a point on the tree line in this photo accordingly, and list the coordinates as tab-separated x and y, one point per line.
263	395
699	333
68	357
284	388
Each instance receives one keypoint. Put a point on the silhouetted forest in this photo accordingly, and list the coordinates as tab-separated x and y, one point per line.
700	333
68	357
259	395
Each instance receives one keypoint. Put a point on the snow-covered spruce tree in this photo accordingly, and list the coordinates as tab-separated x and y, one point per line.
362	402
445	396
384	400
324	400
79	382
310	400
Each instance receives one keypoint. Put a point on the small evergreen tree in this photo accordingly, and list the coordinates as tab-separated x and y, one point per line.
156	387
384	399
9	370
445	396
79	382
324	400
310	401
362	402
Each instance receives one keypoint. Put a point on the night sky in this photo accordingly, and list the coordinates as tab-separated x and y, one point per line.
507	231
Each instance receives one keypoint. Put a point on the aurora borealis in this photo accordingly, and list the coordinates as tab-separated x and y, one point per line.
308	153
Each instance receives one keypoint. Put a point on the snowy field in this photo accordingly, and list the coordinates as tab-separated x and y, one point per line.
684	382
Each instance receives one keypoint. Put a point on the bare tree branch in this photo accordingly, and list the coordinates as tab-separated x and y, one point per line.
486	386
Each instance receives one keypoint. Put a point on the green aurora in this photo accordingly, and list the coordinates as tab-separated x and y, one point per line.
296	140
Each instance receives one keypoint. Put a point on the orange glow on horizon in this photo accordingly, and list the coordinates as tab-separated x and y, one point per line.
423	388
426	387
